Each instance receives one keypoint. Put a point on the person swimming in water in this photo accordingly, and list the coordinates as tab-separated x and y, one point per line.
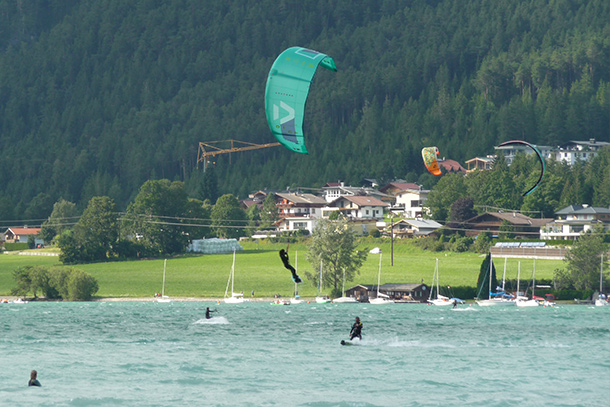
208	312
356	331
33	379
286	261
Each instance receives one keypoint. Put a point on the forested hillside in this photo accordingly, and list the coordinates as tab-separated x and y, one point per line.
96	97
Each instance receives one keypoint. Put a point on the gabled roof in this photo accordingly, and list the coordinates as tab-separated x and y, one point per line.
451	166
24	231
514	218
401	186
363	200
582	210
306	199
422	223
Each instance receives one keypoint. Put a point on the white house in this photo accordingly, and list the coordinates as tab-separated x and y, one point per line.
413	227
360	207
411	202
334	190
572	221
575	151
21	235
298	211
511	151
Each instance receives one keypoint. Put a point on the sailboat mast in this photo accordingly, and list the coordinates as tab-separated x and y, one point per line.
534	279
379	275
504	274
601	273
320	280
518	278
490	262
163	287
233	274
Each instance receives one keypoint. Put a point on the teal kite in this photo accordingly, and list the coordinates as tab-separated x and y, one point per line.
286	93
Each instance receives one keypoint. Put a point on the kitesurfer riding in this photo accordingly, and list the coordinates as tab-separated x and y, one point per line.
208	312
356	331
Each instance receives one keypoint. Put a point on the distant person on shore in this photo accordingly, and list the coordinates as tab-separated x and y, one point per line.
286	261
356	331
33	379
208	312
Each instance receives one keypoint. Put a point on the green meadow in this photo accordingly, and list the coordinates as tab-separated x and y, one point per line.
258	268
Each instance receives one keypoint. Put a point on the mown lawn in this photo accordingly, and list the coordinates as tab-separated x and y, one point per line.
259	268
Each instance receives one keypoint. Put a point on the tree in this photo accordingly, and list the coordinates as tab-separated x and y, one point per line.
269	215
228	218
462	209
157	215
583	261
449	189
333	243
63	216
97	230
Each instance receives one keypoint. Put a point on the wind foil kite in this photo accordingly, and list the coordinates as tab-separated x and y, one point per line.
286	93
540	158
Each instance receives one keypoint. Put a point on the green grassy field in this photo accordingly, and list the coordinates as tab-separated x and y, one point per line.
259	268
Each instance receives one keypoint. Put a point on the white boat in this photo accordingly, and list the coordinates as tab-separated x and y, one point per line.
440	300
601	300
235	298
321	298
381	299
343	299
297	298
495	299
521	300
163	297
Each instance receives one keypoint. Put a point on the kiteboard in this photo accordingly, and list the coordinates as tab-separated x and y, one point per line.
349	343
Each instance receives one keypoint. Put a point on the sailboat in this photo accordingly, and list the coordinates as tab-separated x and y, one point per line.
343	299
235	298
523	301
297	298
440	299
495	298
321	298
601	300
163	297
381	298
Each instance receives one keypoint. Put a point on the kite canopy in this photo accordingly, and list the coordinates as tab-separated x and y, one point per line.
429	155
286	93
540	158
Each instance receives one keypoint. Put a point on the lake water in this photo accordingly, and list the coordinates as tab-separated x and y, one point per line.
256	354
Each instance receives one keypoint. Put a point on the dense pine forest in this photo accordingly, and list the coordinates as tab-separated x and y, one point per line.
97	97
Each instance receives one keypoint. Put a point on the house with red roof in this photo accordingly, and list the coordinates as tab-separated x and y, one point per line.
20	235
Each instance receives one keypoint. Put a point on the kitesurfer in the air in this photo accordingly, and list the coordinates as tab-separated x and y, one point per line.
286	261
356	331
208	312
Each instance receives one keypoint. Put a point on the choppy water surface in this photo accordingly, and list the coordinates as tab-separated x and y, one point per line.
151	354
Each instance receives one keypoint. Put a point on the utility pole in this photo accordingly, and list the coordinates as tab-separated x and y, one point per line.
392	241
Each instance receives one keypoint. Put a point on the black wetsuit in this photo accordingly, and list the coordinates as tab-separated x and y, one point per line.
356	331
207	313
34	382
285	260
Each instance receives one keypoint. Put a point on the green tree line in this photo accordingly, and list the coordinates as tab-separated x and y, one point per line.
97	97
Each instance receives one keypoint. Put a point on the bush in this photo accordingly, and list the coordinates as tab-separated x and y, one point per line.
68	284
12	247
81	286
374	233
